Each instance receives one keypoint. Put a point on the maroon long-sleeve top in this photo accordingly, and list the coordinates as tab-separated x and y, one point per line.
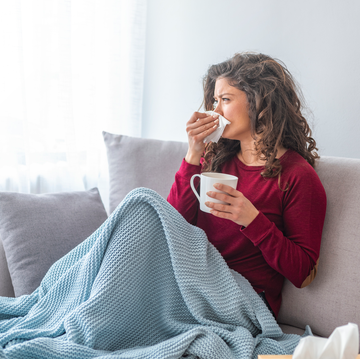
282	241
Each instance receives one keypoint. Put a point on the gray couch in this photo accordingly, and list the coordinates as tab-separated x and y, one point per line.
331	300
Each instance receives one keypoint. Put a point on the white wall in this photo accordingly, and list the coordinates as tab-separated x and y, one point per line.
319	41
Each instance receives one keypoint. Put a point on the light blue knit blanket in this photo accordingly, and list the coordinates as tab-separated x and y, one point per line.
146	284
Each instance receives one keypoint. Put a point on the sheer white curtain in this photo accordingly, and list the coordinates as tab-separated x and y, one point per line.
69	69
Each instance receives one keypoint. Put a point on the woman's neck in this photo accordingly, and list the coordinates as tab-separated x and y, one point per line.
248	154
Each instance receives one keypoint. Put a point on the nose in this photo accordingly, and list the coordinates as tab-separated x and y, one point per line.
218	110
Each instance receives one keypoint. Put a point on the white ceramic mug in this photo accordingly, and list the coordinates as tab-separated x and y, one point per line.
207	181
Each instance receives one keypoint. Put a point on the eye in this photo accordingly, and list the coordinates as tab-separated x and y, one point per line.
225	99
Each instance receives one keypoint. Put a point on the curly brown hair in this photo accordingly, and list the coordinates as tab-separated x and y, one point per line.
274	111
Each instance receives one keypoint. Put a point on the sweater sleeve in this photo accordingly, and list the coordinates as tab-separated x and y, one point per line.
181	196
294	251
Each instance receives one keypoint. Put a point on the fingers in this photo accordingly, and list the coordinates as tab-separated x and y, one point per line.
223	197
225	215
196	116
198	128
230	204
236	208
219	207
230	196
228	189
201	122
205	129
200	133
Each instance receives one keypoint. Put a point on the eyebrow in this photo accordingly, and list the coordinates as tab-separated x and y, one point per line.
223	94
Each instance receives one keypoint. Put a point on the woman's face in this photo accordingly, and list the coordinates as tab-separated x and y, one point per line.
232	104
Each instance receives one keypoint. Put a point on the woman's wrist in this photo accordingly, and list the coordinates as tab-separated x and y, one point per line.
193	159
251	216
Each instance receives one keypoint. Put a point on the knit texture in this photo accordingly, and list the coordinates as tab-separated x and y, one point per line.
146	284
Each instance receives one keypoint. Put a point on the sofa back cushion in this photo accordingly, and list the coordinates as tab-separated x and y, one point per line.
333	298
140	162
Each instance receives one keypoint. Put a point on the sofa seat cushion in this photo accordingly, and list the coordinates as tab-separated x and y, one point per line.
289	329
38	229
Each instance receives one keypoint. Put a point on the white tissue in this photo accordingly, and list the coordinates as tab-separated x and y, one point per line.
215	136
343	343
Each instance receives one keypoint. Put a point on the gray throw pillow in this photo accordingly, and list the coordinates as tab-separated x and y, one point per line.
6	288
140	162
38	229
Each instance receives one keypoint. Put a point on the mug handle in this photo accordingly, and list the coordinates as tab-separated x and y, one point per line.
192	185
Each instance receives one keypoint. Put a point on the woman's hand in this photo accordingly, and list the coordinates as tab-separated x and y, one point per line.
239	209
198	128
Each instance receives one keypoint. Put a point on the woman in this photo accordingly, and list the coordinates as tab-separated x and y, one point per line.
147	284
271	227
